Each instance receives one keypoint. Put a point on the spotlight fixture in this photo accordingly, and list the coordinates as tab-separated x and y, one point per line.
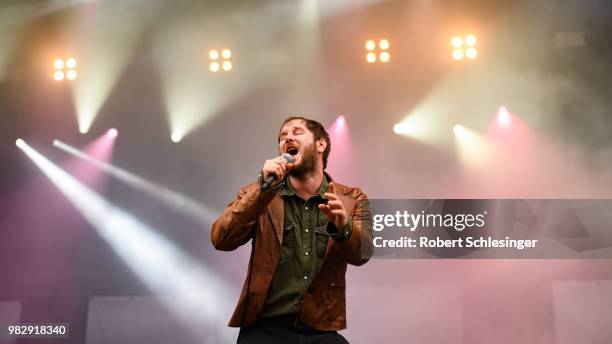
112	132
377	51
460	131
220	61
464	47
503	116
176	137
65	69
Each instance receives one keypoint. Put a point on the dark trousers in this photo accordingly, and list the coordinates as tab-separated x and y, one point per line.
279	331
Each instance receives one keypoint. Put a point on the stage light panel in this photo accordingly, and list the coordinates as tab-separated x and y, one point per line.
371	57
470	40
227	66
471	53
71	74
384	57
383	44
213	54
226	54
370	45
377	52
71	63
458	54
58	75
464	47
220	61
457	42
64	69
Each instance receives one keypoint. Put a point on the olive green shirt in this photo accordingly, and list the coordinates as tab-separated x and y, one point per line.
305	238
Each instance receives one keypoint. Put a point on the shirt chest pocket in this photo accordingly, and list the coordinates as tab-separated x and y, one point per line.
288	242
322	238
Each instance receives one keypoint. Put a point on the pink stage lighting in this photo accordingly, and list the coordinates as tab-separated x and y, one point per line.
84	170
112	132
342	166
507	128
340	122
503	117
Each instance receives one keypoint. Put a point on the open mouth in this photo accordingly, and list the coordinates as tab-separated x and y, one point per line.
292	150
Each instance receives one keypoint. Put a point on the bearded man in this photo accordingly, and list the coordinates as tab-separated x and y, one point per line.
305	228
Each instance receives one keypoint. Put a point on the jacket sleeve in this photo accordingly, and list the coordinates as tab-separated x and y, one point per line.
234	226
357	249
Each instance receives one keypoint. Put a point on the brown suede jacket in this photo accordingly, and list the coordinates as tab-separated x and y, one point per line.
323	306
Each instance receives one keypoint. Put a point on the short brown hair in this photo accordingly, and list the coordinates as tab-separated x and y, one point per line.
318	131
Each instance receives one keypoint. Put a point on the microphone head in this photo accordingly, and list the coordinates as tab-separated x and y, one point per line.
288	157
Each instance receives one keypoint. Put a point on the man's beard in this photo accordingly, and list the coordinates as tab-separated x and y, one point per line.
308	163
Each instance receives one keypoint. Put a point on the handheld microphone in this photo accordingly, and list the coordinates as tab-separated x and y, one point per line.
271	178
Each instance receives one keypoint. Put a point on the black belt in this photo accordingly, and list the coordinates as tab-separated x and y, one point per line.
290	322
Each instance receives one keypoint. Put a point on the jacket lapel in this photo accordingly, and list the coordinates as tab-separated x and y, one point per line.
277	214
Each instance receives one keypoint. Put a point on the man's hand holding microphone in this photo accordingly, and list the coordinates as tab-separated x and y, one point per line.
274	170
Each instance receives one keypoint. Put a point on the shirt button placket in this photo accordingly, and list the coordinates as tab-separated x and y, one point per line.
307	240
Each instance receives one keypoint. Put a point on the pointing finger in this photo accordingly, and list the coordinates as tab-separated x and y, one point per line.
331	196
332	187
326	209
334	204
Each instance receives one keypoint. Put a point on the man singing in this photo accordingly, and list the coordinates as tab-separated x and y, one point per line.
304	228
